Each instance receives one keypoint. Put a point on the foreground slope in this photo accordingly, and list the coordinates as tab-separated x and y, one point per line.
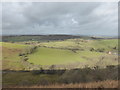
10	55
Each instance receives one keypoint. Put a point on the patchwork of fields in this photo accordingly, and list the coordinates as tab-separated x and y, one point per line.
69	53
46	61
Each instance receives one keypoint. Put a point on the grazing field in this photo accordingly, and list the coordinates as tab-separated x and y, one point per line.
107	44
48	56
76	52
70	53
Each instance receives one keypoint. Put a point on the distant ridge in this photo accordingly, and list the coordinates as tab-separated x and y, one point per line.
18	38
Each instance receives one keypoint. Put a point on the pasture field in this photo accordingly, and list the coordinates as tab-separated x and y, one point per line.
48	56
75	53
107	44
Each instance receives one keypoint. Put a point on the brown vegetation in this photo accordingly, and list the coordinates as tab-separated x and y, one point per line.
100	84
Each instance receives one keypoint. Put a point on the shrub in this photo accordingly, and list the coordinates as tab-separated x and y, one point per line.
30	50
100	50
115	48
21	54
52	67
88	74
25	59
92	49
36	72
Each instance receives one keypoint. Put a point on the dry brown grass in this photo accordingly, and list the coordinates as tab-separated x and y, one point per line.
101	84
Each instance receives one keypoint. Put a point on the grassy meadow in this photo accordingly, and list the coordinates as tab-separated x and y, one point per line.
10	56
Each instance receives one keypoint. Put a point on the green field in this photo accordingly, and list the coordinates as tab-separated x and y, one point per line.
108	44
48	56
70	53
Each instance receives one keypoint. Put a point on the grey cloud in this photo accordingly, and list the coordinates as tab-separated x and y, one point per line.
60	18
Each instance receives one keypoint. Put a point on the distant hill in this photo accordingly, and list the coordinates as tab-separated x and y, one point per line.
20	38
37	37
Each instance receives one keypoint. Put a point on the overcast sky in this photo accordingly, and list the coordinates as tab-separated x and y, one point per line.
88	18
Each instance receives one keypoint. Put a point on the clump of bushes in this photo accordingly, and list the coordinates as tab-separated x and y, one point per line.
92	49
24	57
88	75
97	50
21	54
115	48
100	50
52	67
37	72
28	50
